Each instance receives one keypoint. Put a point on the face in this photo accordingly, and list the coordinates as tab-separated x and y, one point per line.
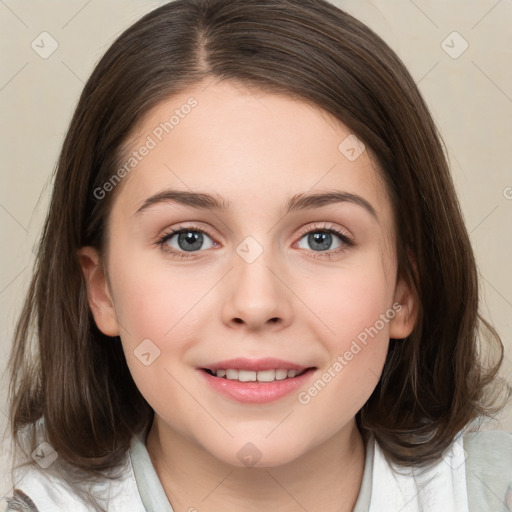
265	275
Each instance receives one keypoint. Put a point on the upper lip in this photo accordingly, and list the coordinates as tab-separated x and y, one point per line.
268	363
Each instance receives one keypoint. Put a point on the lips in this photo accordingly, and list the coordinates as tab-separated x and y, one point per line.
255	365
256	370
256	381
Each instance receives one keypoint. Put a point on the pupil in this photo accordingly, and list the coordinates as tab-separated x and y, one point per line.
319	238
193	240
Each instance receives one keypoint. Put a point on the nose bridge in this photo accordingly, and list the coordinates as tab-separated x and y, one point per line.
258	296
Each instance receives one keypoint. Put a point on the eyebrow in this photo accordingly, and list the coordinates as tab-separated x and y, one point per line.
302	201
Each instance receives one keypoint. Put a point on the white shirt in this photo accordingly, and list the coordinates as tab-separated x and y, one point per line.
478	463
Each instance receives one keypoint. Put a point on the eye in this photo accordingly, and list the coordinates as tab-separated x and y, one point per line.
190	239
182	240
320	239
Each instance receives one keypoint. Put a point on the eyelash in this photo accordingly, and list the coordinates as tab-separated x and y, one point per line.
347	242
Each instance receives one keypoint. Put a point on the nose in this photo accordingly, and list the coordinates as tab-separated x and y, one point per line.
258	297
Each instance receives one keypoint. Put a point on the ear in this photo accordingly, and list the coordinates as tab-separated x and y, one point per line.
405	318
100	299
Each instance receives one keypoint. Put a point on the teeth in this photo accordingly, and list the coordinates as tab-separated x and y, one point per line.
281	374
266	375
252	376
232	374
246	376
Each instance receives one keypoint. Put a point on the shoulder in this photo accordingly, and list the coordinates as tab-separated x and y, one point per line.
489	452
36	491
474	474
489	469
39	490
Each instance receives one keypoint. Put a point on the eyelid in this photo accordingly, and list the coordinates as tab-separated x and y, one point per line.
169	233
326	226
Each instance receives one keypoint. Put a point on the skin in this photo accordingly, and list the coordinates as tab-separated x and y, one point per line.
256	150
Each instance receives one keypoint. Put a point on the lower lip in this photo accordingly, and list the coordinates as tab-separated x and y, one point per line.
257	392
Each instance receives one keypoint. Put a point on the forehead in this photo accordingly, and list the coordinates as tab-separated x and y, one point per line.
250	147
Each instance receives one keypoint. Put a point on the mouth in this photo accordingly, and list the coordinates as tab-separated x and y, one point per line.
271	375
256	381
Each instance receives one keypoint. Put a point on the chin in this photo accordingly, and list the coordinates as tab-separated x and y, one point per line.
260	453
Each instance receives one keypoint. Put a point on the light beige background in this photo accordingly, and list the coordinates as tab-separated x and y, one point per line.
470	96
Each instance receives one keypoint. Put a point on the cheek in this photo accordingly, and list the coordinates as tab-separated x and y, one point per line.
155	308
355	312
159	308
350	301
154	298
356	356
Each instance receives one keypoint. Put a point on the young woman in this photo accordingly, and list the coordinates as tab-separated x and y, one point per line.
254	289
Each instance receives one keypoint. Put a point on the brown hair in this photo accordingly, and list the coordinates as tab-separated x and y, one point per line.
433	383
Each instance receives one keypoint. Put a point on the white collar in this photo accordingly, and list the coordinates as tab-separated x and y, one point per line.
441	486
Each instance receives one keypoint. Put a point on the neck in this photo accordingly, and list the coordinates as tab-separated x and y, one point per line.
327	478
